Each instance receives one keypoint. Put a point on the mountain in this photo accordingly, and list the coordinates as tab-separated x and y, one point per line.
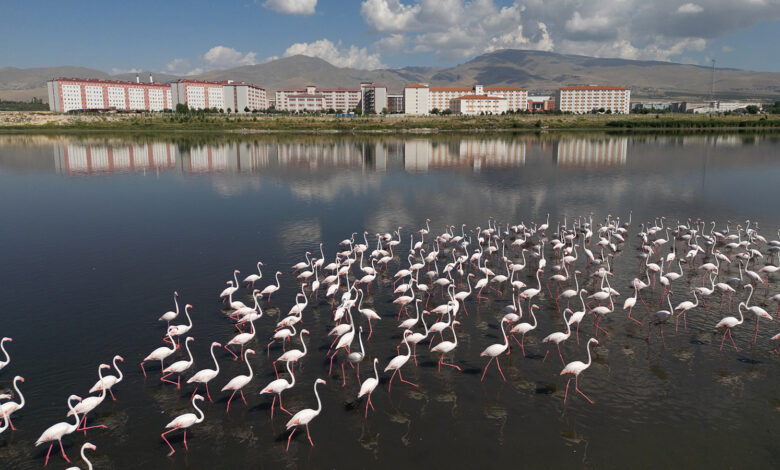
539	72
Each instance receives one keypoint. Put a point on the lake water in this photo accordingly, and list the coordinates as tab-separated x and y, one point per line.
97	232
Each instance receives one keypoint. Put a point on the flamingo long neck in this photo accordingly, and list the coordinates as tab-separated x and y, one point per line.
189	353
235	278
425	326
187	311
73	427
589	357
200	412
277	280
176	302
747	302
468	280
576	282
454	335
102	389
119	379
7	357
534	317
289	369
304	345
84	458
506	340
568	326
173	345
538	281
582	301
408	348
246	359
697	299
19	392
360	340
376	373
216	364
316	394
739	308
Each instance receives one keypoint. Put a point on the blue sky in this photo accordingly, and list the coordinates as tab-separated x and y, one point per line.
197	35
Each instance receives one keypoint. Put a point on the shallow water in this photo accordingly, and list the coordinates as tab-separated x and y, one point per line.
98	231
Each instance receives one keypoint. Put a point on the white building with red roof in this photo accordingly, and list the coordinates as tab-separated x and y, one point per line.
584	99
94	94
422	99
312	98
478	104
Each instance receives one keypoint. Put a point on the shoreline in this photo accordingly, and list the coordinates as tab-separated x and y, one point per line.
47	122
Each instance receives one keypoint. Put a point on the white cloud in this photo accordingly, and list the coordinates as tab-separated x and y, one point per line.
690	8
727	48
352	56
460	29
177	66
221	57
393	43
292	7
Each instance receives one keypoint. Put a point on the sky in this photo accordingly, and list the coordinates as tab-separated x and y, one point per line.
190	37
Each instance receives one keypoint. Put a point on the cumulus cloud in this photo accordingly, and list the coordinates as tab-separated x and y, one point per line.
292	7
459	29
336	54
117	71
221	57
393	43
690	8
178	66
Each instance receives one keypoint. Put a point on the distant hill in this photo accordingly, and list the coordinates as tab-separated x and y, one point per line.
539	72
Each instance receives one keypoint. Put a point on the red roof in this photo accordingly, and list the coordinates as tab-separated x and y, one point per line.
503	88
108	82
351	90
417	85
305	95
202	82
592	87
452	89
479	97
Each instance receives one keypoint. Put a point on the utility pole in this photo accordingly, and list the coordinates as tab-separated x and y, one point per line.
712	82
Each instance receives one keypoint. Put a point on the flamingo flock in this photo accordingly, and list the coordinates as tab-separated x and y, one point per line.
567	265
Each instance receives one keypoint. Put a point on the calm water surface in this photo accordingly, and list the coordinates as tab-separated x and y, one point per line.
98	231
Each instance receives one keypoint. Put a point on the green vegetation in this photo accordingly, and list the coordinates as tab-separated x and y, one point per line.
201	121
36	104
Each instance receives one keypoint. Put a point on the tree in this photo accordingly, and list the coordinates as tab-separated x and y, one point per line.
229	110
358	111
182	108
446	112
384	110
752	109
246	109
435	111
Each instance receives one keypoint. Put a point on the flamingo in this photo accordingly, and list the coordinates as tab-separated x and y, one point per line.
179	330
84	447
302	264
178	367
683	307
109	381
57	431
577	317
169	315
558	337
270	289
293	355
277	387
356	357
629	304
204	376
729	323
90	403
284	334
495	350
161	353
238	382
399	361
575	368
228	292
304	417
241	339
409	323
368	313
9	407
463	295
184	422
523	328
2	348
446	346
368	387
756	310
252	278
661	316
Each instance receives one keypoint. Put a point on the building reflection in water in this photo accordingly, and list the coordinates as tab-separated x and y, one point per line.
590	152
76	158
413	155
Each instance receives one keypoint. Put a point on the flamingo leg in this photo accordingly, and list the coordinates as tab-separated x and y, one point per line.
143	369
576	387
732	341
282	407
566	393
288	439
401	378
390	383
442	362
498	364
185	440
235	358
723	339
560	355
62	449
166	441
309	435
242	396
486	368
47	454
207	393
227	410
112	394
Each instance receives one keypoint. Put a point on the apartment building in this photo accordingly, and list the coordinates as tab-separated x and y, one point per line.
584	99
373	97
240	97
478	104
422	99
91	94
319	99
